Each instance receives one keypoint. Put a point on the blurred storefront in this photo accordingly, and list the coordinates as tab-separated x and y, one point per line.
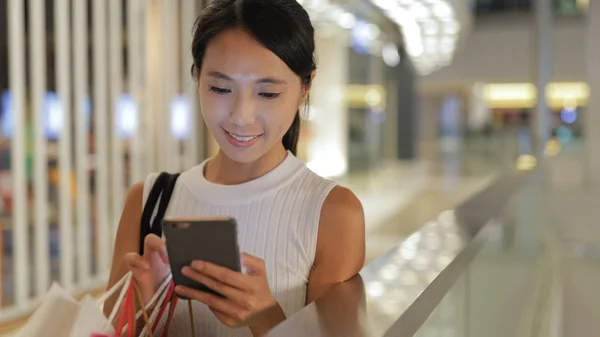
94	96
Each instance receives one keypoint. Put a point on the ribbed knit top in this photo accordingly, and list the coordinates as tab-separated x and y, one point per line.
278	220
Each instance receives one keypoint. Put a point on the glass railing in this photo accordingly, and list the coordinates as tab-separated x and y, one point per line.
431	282
508	289
561	7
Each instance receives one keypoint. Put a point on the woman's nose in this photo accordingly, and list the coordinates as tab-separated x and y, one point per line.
243	112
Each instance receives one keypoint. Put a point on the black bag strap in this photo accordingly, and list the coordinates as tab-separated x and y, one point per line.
162	189
150	206
164	203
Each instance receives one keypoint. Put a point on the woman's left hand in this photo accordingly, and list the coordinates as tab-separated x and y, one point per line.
248	300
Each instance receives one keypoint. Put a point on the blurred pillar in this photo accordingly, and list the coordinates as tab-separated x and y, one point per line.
194	145
328	146
428	126
543	61
479	116
592	118
407	123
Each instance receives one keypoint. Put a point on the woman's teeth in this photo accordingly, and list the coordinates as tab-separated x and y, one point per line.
240	138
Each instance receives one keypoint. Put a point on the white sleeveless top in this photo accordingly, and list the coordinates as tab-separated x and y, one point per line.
278	220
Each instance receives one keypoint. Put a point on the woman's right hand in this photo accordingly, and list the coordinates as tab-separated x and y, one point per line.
150	270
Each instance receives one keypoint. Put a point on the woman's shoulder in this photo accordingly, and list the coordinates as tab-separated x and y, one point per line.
342	202
342	221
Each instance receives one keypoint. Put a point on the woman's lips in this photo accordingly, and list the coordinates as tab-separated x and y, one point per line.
241	141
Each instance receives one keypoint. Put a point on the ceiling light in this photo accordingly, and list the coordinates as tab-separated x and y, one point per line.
451	27
372	97
446	49
346	20
442	10
430	27
420	19
448	41
390	55
411	31
420	11
431	45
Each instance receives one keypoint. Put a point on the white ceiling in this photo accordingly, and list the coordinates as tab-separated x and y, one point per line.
432	29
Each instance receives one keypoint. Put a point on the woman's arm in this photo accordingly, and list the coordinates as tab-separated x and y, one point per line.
340	253
127	239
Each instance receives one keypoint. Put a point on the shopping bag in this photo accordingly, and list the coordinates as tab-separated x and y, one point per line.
54	317
90	320
60	315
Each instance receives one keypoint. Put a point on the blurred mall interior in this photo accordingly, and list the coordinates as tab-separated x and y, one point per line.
469	130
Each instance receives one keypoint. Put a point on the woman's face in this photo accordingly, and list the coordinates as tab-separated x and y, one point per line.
249	96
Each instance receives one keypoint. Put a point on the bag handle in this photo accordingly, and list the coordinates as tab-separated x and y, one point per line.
110	292
138	296
162	189
150	205
124	284
129	316
164	203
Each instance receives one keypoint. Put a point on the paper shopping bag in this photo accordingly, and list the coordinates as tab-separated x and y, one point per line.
54	317
90	320
59	314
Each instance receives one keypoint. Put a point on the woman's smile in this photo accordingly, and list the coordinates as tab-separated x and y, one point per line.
243	141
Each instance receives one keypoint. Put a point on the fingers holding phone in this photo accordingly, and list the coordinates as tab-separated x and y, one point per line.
151	269
207	267
155	247
247	299
253	265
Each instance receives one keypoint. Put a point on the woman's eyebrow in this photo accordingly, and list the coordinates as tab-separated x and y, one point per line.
266	80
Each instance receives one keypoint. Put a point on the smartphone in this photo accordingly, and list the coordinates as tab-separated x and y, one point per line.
212	240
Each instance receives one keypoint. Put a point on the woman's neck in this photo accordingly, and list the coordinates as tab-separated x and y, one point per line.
224	171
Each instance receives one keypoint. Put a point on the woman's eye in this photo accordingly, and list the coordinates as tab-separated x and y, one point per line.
270	95
219	91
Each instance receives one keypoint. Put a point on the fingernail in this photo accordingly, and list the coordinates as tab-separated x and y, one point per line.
198	265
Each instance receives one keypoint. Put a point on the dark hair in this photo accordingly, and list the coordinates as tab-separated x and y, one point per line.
282	26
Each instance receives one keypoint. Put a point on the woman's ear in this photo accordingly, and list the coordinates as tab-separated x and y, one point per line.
306	88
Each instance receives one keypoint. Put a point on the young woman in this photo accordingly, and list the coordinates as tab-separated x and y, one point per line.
301	234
